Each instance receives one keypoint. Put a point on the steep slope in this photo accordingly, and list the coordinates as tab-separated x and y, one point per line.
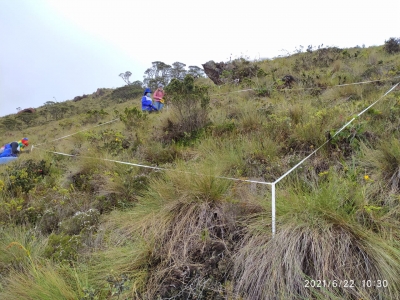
112	202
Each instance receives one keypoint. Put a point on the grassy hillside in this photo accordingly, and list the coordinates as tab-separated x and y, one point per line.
82	217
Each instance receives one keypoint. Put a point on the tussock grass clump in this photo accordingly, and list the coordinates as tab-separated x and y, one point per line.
122	256
48	282
250	120
194	234
279	268
15	245
319	237
157	153
105	180
196	245
189	112
251	156
130	260
384	163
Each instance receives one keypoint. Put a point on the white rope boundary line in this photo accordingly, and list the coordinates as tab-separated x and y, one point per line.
273	184
312	88
232	178
273	200
222	177
65	136
337	132
155	168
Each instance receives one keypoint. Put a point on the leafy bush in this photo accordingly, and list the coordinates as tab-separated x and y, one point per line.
94	115
11	209
122	191
81	181
126	92
81	222
25	176
48	222
223	128
190	104
322	58
9	123
66	124
110	140
263	91
63	247
348	140
132	117
392	45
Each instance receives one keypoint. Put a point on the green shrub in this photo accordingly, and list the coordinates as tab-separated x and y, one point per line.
263	91
126	93
48	222
157	154
190	107
63	247
348	140
122	192
392	45
81	181
223	128
25	176
110	140
81	222
132	117
11	209
320	58
66	124
94	116
243	69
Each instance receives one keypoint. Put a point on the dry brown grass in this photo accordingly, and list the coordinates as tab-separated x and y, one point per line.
279	267
182	249
196	244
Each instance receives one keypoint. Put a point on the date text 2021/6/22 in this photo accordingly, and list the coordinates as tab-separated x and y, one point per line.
368	283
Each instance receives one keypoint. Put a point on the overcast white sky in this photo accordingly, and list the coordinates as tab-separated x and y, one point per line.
54	50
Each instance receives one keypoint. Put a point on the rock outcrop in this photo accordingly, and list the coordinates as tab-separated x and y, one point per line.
27	110
214	70
234	71
78	98
100	92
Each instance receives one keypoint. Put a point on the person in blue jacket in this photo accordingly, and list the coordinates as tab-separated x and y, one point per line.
14	148
147	103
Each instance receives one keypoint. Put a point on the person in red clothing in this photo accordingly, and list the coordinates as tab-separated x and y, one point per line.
158	96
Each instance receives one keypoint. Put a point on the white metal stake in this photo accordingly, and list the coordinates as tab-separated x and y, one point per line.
273	209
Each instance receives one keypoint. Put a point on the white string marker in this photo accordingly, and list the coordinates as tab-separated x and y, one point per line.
273	194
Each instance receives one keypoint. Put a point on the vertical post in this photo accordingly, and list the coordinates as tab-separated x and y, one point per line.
273	208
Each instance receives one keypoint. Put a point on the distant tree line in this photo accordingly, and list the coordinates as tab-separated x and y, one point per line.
163	73
51	110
